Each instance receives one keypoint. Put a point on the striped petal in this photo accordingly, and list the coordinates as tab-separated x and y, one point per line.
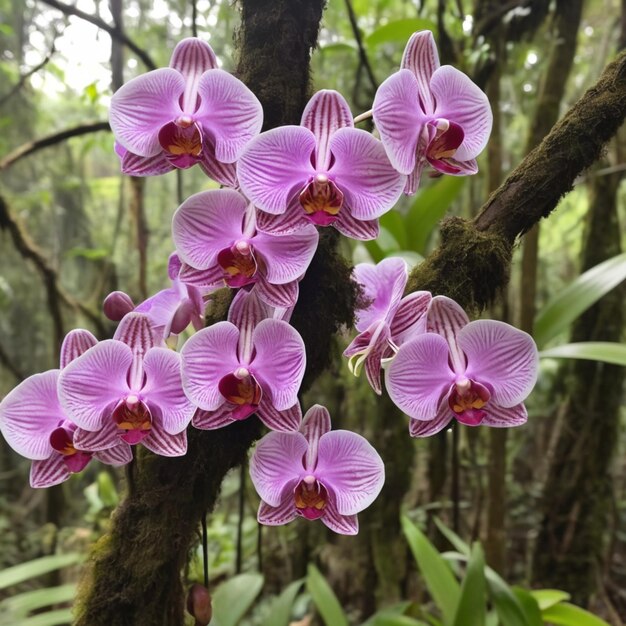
119	455
164	444
446	318
422	59
316	423
341	524
279	296
105	438
501	417
155	165
284	513
287	420
49	472
211	420
428	428
409	320
362	230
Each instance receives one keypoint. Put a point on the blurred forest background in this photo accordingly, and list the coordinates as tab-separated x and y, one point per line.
547	501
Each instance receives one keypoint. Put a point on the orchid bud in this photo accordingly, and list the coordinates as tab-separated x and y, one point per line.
199	604
116	305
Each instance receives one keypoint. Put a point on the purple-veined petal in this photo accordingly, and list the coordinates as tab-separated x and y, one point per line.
278	296
29	413
373	361
419	376
222	173
326	112
135	330
409	320
502	357
316	423
207	223
91	385
206	358
192	57
164	388
247	309
383	285
275	166
348	465
341	524
287	420
287	258
501	417
364	174
230	112
142	106
399	119
363	230
291	221
210	420
452	167
174	265
461	101
164	444
413	179
276	465
284	513
180	318
116	305
97	440
279	361
422	428
155	165
446	318
121	454
76	342
211	279
48	472
421	57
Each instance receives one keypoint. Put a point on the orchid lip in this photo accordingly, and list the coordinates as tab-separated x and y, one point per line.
133	419
311	498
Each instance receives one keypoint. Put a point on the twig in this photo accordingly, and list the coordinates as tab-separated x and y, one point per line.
194	18
241	513
50	140
359	41
114	32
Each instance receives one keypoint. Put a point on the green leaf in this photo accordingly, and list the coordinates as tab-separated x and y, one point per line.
340	46
472	607
549	597
428	208
529	605
279	613
37	567
569	615
398	31
388	618
605	351
324	598
51	618
233	598
577	297
452	537
394	222
441	584
21	604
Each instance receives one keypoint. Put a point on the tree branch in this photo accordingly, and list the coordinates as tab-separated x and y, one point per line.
114	32
363	58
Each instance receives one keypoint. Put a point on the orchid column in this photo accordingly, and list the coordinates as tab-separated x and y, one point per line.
135	576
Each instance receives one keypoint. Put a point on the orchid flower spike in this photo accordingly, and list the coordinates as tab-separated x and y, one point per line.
475	372
249	364
36	426
322	172
216	236
190	112
127	389
387	320
431	114
316	473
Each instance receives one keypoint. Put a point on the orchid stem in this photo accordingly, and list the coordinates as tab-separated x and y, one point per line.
130	474
242	489
363	116
205	551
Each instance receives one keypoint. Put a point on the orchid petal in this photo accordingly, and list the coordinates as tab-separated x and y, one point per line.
452	167
278	296
421	57
348	465
363	230
95	441
206	358
446	318
142	106
164	388
279	361
287	258
135	330
316	423
29	413
501	356
276	465
284	513
364	174
164	444
247	310
119	455
398	118
211	420
155	165
461	101
326	112
211	279
413	179
222	173
207	223
230	112
427	428
287	420
373	361
409	320
90	385
501	417
76	342
275	166
341	524
49	472
419	376
291	221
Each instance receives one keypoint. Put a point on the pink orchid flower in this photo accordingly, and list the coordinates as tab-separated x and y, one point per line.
388	320
190	112
431	114
475	372
249	364
35	425
216	236
316	473
324	171
128	388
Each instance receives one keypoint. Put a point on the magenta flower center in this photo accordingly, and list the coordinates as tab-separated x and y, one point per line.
311	498
321	199
133	419
467	400
448	137
241	389
62	440
182	141
239	264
